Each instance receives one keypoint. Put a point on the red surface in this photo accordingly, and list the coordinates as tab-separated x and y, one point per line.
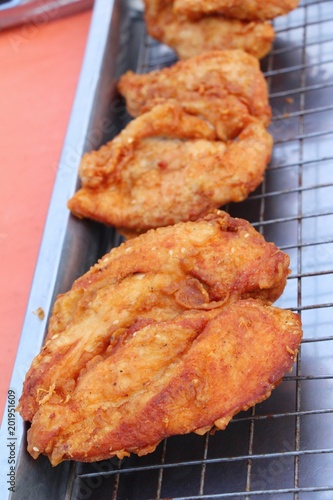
40	67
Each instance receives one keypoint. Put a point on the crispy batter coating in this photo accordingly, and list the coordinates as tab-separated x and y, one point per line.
198	375
252	10
226	87
170	164
190	37
149	177
137	350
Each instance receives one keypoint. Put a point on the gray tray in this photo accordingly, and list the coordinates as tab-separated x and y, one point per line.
33	13
283	448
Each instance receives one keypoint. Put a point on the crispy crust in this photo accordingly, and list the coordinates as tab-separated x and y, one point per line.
199	141
227	255
226	87
126	358
137	182
250	10
190	37
176	377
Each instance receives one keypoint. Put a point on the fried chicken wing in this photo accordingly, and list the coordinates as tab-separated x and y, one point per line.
226	87
180	341
148	177
190	37
253	10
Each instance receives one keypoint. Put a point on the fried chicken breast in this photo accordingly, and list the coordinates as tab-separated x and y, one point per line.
190	37
175	162
252	10
226	87
148	176
180	341
137	349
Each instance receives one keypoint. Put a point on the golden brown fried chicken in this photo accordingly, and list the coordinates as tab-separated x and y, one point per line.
149	177
226	87
253	10
178	341
189	37
198	374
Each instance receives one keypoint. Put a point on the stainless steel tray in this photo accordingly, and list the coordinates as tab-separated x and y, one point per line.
283	448
32	13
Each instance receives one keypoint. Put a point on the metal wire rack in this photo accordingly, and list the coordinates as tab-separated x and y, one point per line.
282	448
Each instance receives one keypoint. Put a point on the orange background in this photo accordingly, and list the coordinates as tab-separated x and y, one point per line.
40	67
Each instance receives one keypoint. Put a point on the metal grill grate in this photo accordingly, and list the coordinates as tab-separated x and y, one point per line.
282	448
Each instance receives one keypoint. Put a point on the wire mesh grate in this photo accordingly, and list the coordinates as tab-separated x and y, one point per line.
282	448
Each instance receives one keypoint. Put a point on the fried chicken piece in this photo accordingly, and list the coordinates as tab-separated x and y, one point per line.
251	10
191	375
193	265
137	349
188	37
226	87
148	177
